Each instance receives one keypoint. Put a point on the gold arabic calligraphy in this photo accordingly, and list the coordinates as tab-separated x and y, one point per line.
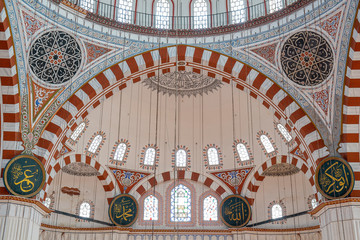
25	179
124	210
334	178
235	211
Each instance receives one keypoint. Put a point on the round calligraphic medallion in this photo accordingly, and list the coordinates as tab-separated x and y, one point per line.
123	210
307	58
334	178
235	211
24	175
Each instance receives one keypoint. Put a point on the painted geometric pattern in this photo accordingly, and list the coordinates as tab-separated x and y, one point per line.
331	25
31	24
234	179
322	99
94	51
41	97
127	179
266	52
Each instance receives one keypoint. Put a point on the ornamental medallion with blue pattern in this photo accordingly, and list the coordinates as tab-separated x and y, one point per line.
235	211
24	175
334	178
123	210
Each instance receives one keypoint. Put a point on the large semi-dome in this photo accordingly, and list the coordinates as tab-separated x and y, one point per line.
199	119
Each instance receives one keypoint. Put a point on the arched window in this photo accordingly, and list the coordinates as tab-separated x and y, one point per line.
180	204
242	151
276	211
238	13
267	144
181	157
149	156
151	208
275	5
213	156
314	203
200	14
284	132
84	210
210	206
124	12
162	19
120	152
47	202
74	136
95	144
88	5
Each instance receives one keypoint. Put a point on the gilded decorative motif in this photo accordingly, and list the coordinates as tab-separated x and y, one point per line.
334	178
307	58
235	211
24	175
123	210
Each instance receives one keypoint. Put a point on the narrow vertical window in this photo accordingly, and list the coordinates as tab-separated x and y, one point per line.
210	209
125	11
213	156
88	5
284	132
267	144
238	13
95	144
151	208
47	202
314	203
180	204
276	211
84	210
162	19
242	151
181	157
77	131
120	152
149	156
200	14
275	5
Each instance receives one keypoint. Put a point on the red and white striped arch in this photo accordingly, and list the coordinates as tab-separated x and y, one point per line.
164	60
253	185
145	185
350	145
10	107
105	177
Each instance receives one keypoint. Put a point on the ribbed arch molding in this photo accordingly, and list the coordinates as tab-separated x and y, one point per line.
163	60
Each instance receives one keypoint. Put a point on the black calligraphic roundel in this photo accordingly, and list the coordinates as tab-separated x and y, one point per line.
123	210
334	178
235	211
24	175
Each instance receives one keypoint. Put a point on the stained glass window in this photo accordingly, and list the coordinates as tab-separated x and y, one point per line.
88	5
85	210
181	158
151	208
213	156
200	14
77	131
314	203
162	19
124	12
267	144
237	11
95	144
284	132
275	5
242	151
120	152
47	202
180	204
210	209
149	156
276	211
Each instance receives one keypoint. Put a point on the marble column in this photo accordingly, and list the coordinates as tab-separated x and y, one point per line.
339	219
20	218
